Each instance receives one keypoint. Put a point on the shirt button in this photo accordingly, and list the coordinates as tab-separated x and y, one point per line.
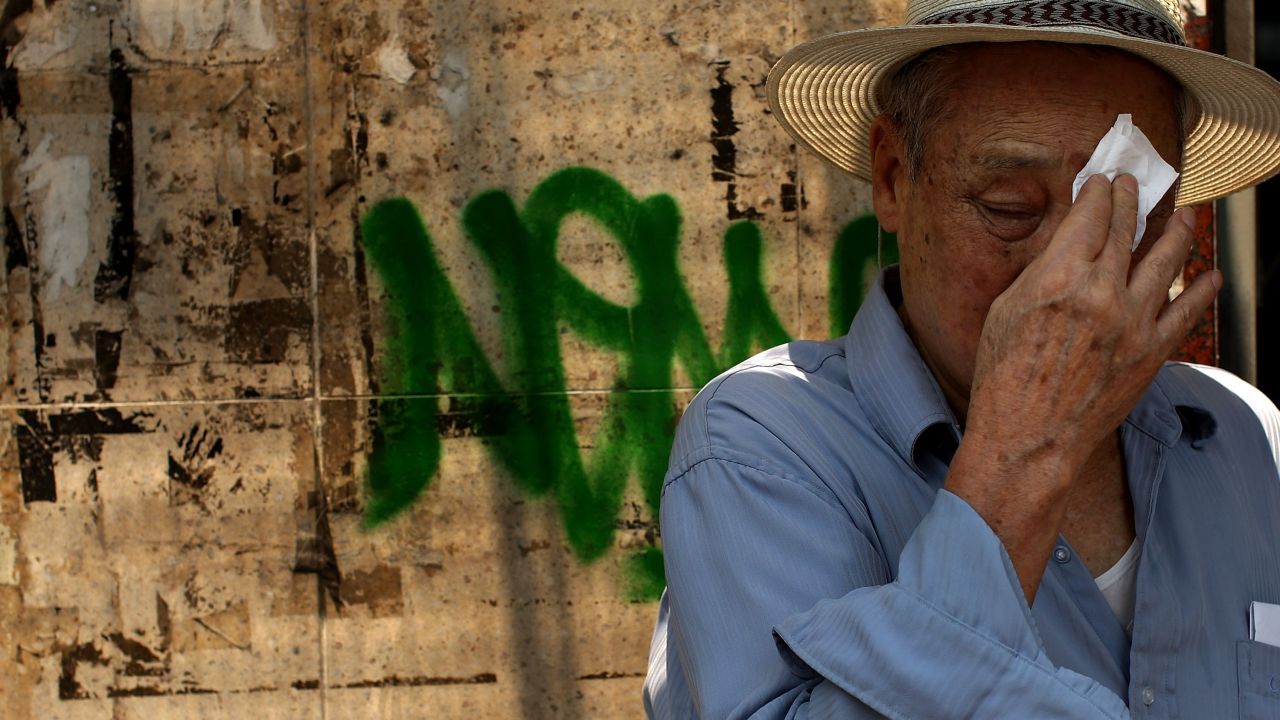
1148	695
1062	554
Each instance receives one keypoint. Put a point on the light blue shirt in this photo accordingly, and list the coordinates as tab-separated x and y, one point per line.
817	569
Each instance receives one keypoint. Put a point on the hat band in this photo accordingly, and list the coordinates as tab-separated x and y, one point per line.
1123	19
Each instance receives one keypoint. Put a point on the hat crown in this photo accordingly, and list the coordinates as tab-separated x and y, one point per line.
1152	19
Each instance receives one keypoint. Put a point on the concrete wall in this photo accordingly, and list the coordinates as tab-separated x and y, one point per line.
345	340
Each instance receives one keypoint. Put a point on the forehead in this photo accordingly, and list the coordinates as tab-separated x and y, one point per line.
1063	96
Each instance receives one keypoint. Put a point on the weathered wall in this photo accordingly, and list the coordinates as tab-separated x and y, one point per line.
345	340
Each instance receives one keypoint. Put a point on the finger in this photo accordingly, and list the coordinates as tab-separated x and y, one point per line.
1117	252
1162	265
1181	315
1084	230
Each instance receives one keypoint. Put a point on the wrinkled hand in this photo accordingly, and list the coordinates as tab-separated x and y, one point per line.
1066	353
1070	347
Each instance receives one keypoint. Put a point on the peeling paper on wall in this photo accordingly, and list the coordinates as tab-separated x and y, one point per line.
63	220
205	24
393	61
50	33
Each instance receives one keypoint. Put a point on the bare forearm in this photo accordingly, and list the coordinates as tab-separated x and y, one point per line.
1020	492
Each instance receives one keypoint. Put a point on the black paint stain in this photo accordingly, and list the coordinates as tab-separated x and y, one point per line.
423	680
91	484
480	416
35	466
106	354
142	661
42	383
105	421
115	274
10	35
788	197
189	482
150	691
608	675
68	687
71	431
15	251
361	141
260	331
792	193
190	474
193	444
88	447
723	127
724	161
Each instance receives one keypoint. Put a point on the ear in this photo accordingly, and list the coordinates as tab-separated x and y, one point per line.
888	169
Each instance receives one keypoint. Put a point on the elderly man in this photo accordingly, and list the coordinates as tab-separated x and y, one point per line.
994	497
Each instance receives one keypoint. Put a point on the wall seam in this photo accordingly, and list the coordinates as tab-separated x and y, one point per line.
317	418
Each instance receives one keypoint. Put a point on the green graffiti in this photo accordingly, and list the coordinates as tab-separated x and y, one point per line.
859	251
528	426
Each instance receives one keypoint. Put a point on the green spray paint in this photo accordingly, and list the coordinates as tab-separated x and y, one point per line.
432	349
858	253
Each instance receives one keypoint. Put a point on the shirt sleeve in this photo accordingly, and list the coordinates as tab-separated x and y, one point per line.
781	606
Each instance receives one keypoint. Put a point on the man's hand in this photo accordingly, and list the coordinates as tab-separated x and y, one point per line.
1066	352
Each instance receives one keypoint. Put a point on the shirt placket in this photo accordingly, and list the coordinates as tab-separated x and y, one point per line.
1152	687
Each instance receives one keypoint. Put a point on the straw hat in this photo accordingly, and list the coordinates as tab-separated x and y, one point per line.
824	92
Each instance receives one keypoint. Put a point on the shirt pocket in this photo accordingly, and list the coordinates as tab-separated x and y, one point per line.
1258	673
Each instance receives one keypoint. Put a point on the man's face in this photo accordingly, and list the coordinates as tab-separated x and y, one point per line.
1021	121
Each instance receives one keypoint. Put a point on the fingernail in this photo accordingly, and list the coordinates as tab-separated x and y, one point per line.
1128	182
1188	218
1216	277
1099	179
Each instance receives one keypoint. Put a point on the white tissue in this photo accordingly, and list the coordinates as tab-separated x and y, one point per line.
1124	149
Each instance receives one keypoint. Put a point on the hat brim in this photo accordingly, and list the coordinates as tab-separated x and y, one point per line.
824	94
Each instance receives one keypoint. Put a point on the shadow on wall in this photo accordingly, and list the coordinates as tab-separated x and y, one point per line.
432	349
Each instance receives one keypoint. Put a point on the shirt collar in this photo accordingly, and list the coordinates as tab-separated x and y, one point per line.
903	401
895	389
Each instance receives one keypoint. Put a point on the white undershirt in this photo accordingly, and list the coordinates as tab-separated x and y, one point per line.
1119	585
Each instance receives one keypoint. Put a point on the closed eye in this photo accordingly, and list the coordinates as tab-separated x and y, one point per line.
1009	222
1009	213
